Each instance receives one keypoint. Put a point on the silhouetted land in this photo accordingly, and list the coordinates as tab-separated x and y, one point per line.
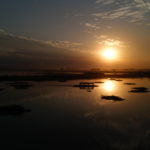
139	90
86	84
20	85
63	76
128	83
113	97
98	82
13	110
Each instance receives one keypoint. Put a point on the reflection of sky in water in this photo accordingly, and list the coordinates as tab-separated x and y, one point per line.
64	110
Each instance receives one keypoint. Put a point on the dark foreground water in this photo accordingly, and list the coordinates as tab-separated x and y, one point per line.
68	117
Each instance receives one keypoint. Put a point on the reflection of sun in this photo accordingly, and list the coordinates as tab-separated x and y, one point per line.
109	86
109	53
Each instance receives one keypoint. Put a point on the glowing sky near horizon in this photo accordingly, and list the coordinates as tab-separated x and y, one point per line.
70	33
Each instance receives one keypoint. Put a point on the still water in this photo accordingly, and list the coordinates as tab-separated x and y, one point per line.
73	118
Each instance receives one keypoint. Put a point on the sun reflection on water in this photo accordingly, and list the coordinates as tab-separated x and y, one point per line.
109	86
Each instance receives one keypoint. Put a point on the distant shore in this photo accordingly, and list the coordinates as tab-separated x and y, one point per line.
63	76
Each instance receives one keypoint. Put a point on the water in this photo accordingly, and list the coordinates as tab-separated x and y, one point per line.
75	118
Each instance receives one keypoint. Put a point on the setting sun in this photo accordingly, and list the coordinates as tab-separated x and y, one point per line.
109	53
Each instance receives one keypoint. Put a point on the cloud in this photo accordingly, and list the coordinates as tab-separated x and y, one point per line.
92	26
2	31
109	15
106	41
24	52
131	10
66	45
104	2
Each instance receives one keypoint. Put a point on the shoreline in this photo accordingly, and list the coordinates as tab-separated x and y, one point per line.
65	76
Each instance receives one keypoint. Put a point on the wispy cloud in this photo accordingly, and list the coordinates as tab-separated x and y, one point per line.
132	10
20	51
66	45
109	14
104	2
106	41
92	26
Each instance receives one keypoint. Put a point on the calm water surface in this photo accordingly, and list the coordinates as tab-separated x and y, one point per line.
75	118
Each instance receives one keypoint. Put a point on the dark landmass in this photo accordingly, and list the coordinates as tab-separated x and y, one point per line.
13	110
99	82
86	84
63	76
130	83
114	98
115	79
139	90
118	80
112	79
20	85
89	86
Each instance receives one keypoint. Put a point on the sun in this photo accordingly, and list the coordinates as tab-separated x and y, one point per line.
109	53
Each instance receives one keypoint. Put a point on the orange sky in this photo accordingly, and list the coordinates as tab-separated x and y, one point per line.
73	34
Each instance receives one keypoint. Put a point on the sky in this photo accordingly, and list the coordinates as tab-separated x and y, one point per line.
44	34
